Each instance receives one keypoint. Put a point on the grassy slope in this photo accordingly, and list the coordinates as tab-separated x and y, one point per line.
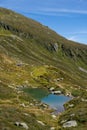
28	58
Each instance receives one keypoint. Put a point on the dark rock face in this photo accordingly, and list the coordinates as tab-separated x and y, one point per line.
15	30
8	27
55	47
52	47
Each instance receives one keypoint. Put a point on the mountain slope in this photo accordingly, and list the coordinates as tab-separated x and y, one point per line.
33	55
32	42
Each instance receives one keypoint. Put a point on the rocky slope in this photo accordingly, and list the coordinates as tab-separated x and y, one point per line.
32	55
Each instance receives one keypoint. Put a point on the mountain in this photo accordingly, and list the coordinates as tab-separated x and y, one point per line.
32	55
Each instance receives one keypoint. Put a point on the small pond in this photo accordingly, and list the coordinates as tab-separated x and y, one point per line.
56	101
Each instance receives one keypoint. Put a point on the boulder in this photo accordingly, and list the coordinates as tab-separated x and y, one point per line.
31	104
69	94
40	122
71	123
72	115
52	89
71	105
26	114
17	123
23	105
63	121
24	125
53	116
57	92
52	128
83	100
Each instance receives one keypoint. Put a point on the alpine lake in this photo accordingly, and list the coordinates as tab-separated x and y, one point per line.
54	101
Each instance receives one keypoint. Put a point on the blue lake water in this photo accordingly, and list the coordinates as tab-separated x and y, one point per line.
56	101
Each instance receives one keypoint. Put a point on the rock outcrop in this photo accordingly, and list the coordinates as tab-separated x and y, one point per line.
22	124
71	123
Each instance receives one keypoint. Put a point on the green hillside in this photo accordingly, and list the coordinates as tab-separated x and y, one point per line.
34	56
